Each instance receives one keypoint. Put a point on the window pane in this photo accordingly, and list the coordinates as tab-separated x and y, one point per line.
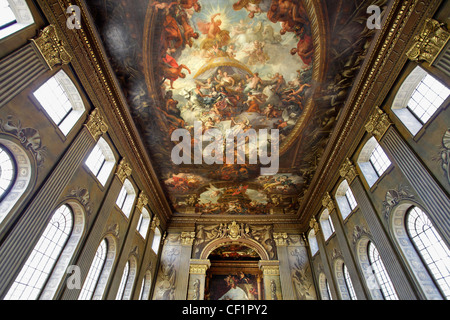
96	160
427	98
123	282
431	247
348	282
6	14
381	275
351	199
39	265
94	272
7	171
379	160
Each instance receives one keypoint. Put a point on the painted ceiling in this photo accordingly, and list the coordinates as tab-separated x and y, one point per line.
235	65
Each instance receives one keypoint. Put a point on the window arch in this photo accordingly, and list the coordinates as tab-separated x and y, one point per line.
146	285
381	275
324	287
373	161
61	101
99	272
326	224
101	161
344	281
156	240
312	240
126	284
123	281
126	198
418	98
16	183
144	223
345	199
431	248
47	262
15	16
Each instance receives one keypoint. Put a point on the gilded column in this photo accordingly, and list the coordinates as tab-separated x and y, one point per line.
285	272
434	198
271	278
197	279
21	240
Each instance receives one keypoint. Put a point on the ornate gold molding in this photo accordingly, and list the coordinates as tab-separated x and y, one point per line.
123	170
155	223
328	203
429	43
51	47
199	266
313	224
269	267
187	238
142	201
280	238
378	124
96	124
348	170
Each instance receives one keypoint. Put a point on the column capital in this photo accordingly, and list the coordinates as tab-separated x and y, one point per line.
142	201
269	267
199	266
348	170
313	224
378	123
155	223
280	238
51	47
429	43
328	202
123	170
187	238
96	124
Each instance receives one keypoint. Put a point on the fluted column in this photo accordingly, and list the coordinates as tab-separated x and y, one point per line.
394	266
19	69
434	198
349	260
181	291
197	277
271	278
95	236
285	272
25	234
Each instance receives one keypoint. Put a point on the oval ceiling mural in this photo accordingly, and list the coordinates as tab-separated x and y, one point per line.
190	67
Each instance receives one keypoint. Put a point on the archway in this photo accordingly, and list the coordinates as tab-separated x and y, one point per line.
234	273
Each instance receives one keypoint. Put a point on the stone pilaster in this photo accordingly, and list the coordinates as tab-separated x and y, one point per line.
197	275
271	278
285	273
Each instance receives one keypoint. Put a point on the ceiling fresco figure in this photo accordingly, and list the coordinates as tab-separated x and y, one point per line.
235	65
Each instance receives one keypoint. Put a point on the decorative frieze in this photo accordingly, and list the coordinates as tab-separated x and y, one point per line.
123	170
429	43
96	124
348	170
378	123
51	47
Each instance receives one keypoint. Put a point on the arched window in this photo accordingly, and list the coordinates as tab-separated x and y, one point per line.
126	198
419	97
123	282
39	265
146	285
156	240
14	16
144	222
345	199
373	161
326	224
61	100
101	161
349	284
8	171
381	275
432	249
324	287
95	271
312	240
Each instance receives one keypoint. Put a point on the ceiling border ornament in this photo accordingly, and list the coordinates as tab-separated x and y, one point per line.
429	43
51	47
